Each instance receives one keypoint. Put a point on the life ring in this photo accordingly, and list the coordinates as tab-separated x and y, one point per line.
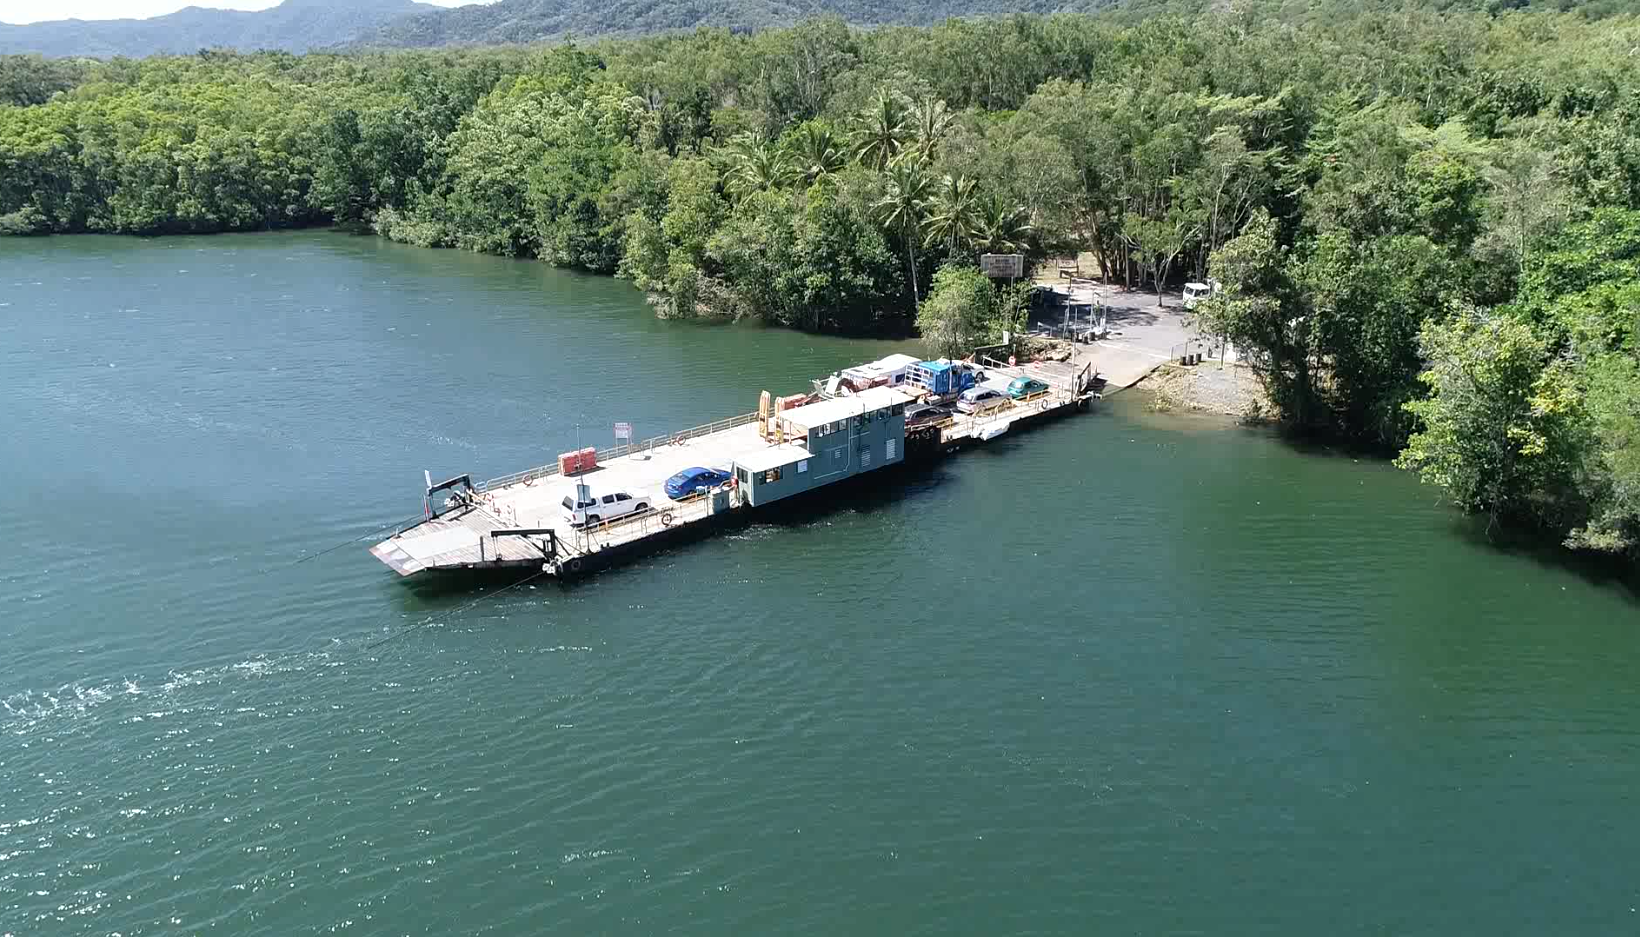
677	439
666	519
574	565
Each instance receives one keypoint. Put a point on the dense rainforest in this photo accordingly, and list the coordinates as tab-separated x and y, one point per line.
1425	217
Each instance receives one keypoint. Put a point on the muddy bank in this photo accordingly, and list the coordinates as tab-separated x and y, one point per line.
1209	387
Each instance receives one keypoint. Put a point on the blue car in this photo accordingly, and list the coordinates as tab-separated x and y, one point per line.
692	481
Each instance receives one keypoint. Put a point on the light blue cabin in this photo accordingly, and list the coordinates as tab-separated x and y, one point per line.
824	443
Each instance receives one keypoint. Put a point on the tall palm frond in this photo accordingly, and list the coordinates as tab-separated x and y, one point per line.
953	213
816	153
1001	226
930	120
881	131
903	207
754	164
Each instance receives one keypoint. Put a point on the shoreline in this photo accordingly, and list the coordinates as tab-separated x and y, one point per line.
1230	389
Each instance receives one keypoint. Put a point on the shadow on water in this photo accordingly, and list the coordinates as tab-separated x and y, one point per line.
1616	572
439	592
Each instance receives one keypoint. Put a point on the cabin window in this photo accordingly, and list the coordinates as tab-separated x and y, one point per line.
745	479
897	410
772	475
802	466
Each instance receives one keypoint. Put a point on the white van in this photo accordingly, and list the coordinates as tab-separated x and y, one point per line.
1195	293
598	506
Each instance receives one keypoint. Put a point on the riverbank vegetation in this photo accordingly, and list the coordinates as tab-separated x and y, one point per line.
1425	216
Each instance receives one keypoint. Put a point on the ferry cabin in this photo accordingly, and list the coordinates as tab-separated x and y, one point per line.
823	443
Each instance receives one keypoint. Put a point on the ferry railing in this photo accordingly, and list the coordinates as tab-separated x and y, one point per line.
604	534
551	468
964	425
544	471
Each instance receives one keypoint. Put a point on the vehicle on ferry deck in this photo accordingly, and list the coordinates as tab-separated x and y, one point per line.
591	506
1024	388
980	400
693	481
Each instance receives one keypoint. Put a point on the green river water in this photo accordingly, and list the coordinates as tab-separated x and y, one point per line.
1124	674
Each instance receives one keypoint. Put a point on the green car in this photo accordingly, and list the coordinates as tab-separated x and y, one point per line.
1024	388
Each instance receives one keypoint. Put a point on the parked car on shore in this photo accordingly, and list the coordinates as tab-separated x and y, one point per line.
1196	292
693	481
980	400
1024	388
599	506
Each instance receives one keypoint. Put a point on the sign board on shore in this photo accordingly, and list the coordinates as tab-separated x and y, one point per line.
623	431
1002	265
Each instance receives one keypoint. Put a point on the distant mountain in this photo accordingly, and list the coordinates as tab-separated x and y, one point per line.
295	25
531	20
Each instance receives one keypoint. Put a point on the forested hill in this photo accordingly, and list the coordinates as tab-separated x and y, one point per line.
516	21
532	20
295	26
302	25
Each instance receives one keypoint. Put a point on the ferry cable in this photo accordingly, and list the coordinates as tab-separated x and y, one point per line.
349	543
434	619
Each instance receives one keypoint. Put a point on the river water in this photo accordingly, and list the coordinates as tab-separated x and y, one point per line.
1122	674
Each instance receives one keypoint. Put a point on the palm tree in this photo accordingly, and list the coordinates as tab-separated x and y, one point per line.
954	212
1000	226
881	132
930	121
815	152
754	164
903	207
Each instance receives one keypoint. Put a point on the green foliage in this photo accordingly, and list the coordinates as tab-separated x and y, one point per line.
1611	477
809	260
881	131
954	213
31	79
815	151
1500	428
903	207
958	313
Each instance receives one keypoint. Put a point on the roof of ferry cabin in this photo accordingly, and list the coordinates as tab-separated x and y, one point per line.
841	408
773	457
